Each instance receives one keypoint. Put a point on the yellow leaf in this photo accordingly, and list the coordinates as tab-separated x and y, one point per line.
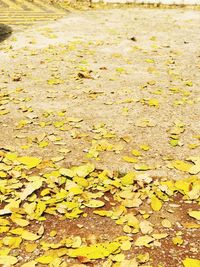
43	144
126	245
142	258
66	172
128	178
97	251
55	81
159	236
4	229
4	251
130	159
166	223
153	102
19	221
29	236
143	167
136	153
81	181
146	227
12	242
144	241
145	147
93	203
29	264
103	213
30	162
177	240
17	231
129	263
84	170
191	262
30	247
31	187
45	259
195	214
195	168
53	233
148	60
8	260
156	204
181	165
183	186
191	225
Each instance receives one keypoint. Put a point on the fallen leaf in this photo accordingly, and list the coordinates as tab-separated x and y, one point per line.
144	241
30	162
156	204
8	260
191	262
195	214
31	187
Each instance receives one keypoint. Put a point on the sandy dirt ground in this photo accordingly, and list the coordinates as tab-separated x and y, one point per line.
118	88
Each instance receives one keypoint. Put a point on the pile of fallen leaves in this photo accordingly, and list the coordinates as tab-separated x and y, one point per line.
33	190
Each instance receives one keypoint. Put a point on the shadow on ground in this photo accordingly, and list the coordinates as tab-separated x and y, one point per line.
5	32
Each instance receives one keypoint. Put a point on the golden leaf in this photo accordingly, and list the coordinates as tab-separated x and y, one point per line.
44	259
144	241
156	204
191	262
30	162
129	263
195	214
29	264
130	159
97	251
8	260
177	240
31	187
26	235
84	170
93	203
128	178
166	223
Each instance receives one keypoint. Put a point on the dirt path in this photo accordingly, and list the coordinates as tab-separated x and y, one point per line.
116	88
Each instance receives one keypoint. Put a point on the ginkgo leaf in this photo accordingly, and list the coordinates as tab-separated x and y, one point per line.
84	170
97	251
93	203
29	264
166	223
6	260
196	167
130	159
159	236
156	204
30	247
128	178
144	241
153	102
19	221
177	240
195	214
26	235
146	227
188	262
44	259
66	172
30	162
31	187
181	165
129	263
